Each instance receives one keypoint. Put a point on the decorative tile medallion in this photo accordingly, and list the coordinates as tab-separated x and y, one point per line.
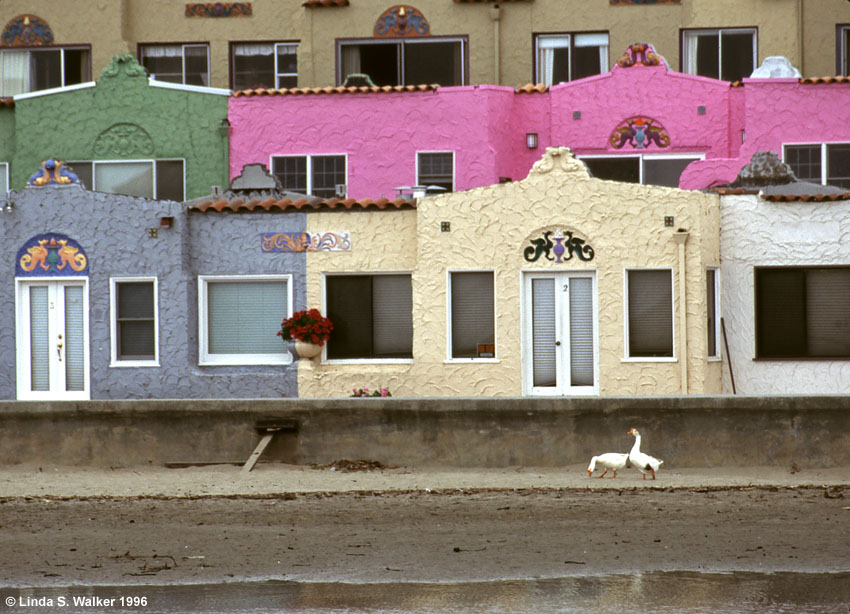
639	132
640	54
563	245
401	20
52	255
219	9
52	172
305	242
123	140
26	31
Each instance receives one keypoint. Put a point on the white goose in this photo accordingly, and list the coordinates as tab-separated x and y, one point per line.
609	460
643	462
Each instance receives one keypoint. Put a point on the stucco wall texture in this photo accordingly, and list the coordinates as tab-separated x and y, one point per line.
113	231
755	233
802	31
490	227
123	117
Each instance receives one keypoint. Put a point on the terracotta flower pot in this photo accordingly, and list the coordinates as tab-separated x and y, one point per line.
305	349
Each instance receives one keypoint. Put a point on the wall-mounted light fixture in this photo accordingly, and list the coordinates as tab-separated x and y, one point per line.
531	140
224	127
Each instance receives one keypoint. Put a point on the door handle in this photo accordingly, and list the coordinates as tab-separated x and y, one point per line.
557	343
59	348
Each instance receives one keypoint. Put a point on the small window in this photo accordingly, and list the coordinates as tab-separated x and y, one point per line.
435	169
240	318
4	177
802	312
712	304
372	316
567	57
728	54
807	162
648	170
134	320
843	47
184	64
406	62
650	313
323	176
264	65
472	315
31	70
159	179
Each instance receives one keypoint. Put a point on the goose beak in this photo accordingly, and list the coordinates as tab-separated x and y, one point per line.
589	473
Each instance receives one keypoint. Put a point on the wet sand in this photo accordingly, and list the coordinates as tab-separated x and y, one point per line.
452	530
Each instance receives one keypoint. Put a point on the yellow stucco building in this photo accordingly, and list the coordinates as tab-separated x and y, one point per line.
558	284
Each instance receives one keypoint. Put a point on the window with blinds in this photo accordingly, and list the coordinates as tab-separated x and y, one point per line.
802	312
135	321
372	316
650	313
241	317
472	315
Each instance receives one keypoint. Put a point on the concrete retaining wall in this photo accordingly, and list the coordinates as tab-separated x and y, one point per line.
693	431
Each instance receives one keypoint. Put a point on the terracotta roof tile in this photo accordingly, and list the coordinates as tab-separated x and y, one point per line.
811	80
317	4
302	204
532	88
307	91
782	198
7	102
485	1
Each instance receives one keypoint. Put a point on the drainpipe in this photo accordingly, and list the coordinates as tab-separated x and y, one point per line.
496	16
681	237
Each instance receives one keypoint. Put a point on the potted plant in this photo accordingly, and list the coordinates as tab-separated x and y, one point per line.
309	329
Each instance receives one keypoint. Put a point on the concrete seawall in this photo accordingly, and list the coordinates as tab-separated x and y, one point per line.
691	431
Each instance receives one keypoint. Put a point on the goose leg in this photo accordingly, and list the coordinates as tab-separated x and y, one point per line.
653	474
615	474
644	476
603	473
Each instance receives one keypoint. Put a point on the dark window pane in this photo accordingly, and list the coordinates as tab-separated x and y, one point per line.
737	54
838	165
169	180
665	172
805	161
845	51
560	65
650	314
711	304
135	320
708	57
616	169
255	70
83	170
77	66
380	62
291	171
780	313
164	68
197	69
428	63
436	169
586	62
350	309
328	172
472	314
47	69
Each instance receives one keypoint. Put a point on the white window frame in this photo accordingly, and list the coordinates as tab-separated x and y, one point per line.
152	161
309	167
627	357
569	40
275	47
113	322
183	47
4	176
370	361
62	51
642	157
842	63
717	316
449	357
824	161
284	357
401	43
437	151
689	63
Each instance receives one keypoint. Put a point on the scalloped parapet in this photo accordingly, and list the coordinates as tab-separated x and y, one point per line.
124	65
559	159
640	54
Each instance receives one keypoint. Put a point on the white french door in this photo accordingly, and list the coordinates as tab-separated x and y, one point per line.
52	330
559	340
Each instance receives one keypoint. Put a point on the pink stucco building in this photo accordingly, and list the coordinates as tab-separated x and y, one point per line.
640	122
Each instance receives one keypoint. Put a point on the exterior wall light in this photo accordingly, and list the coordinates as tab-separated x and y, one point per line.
531	140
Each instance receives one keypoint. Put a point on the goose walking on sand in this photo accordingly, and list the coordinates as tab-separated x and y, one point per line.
643	462
609	460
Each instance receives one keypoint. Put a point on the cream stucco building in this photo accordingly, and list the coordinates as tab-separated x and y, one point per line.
558	284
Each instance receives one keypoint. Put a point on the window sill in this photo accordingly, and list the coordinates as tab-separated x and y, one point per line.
472	361
649	359
368	361
121	364
803	359
715	359
247	361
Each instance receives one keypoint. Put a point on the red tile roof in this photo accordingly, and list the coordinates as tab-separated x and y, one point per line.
341	89
316	4
484	1
811	80
302	204
532	88
7	102
782	198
